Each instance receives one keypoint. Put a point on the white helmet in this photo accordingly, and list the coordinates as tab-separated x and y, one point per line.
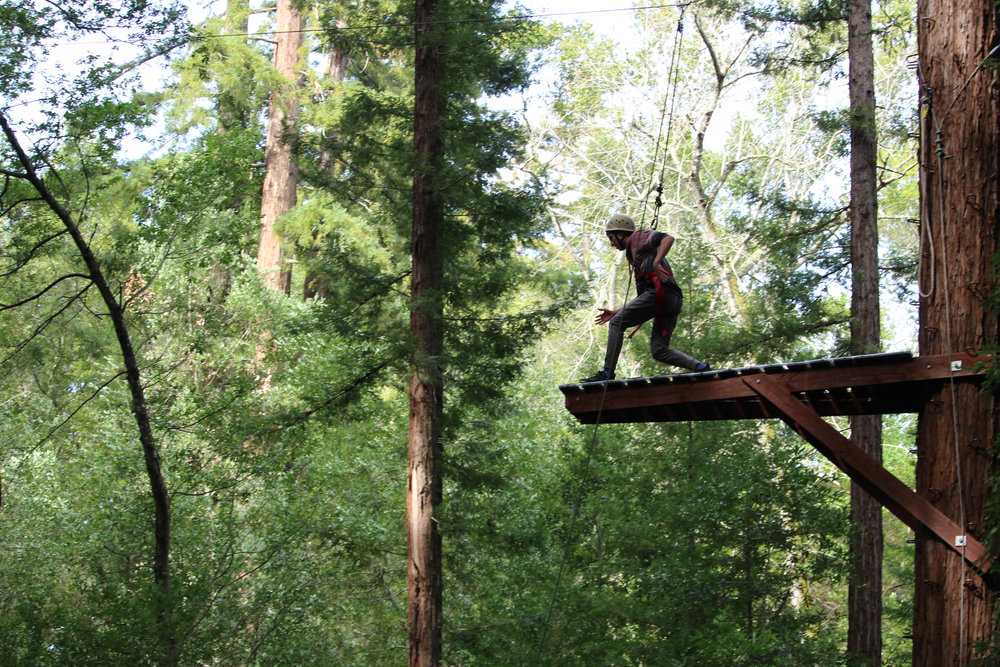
620	222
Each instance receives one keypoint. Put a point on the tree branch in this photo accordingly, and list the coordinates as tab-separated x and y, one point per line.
140	410
45	323
39	295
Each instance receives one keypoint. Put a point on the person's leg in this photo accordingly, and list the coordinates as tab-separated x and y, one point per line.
659	342
635	312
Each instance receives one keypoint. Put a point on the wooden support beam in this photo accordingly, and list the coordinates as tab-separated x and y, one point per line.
913	510
873	384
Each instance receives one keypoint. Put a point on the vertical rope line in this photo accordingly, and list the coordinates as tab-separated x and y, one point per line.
577	508
672	78
951	384
578	504
667	112
926	232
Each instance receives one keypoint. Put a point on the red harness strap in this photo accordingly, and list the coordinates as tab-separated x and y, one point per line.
661	304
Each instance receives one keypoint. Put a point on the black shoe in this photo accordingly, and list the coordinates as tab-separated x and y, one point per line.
600	376
702	367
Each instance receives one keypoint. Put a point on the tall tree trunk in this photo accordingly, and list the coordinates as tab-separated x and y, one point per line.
960	210
281	175
426	393
864	635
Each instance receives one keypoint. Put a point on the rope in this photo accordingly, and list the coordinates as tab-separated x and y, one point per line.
672	76
943	219
577	507
665	139
926	233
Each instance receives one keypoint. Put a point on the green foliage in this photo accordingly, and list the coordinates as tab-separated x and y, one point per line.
285	455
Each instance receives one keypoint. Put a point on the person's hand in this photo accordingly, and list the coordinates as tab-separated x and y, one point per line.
661	273
604	315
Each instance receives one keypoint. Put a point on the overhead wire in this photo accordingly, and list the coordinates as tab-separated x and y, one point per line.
402	24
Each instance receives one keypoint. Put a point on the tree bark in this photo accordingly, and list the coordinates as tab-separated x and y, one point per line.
864	636
426	393
960	210
281	175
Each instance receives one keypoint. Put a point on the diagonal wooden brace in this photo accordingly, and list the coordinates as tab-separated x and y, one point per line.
912	509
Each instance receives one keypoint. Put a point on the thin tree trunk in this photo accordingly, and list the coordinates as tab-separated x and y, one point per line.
960	210
281	175
864	636
426	394
705	200
158	487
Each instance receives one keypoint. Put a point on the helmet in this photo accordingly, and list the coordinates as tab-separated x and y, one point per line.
620	222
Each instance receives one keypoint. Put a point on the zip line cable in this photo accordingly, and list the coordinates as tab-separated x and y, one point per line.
401	24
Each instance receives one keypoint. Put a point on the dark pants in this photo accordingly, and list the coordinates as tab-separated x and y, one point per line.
639	310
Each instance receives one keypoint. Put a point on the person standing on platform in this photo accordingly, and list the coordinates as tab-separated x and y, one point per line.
658	298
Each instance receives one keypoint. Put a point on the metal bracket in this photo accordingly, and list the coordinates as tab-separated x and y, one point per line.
956	366
960	540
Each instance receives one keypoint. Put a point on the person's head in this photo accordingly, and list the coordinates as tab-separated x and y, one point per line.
618	228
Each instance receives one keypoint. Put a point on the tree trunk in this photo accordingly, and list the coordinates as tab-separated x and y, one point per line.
281	175
864	635
426	394
960	209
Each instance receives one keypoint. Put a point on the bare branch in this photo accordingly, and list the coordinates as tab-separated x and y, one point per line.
77	409
39	295
55	174
45	323
354	384
17	203
31	253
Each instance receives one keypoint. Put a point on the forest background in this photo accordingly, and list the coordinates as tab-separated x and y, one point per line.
258	516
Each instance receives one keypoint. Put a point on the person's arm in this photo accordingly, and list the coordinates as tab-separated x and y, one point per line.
661	251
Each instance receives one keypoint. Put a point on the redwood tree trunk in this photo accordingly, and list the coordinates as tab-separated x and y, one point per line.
424	478
864	636
281	175
960	209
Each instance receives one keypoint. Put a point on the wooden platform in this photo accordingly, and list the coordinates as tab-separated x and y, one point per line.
800	394
869	384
